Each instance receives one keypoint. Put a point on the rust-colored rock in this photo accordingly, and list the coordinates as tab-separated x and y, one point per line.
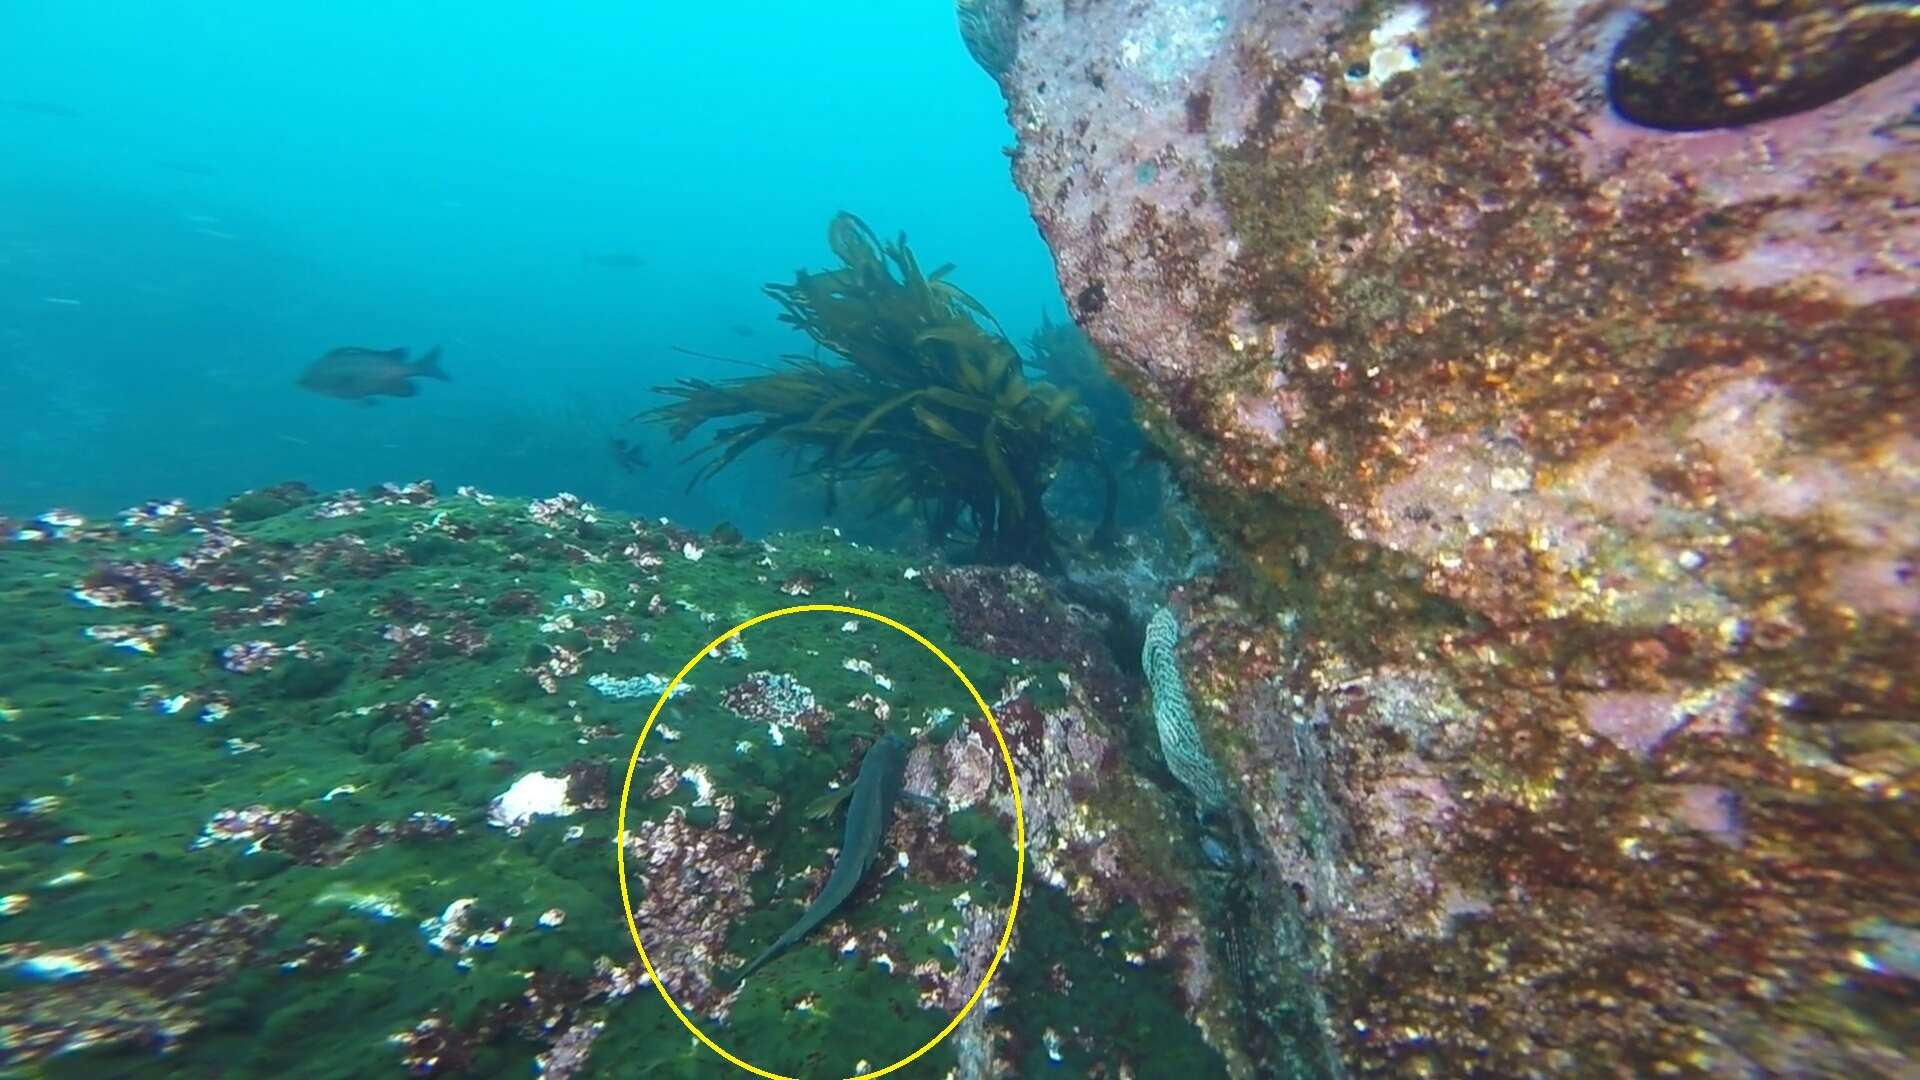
1573	468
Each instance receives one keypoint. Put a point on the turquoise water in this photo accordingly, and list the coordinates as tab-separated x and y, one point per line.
197	199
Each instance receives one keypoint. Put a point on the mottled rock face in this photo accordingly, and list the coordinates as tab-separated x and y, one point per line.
1584	453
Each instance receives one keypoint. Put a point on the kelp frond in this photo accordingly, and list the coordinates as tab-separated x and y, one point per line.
929	401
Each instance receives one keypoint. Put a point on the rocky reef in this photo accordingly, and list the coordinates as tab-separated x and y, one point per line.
1569	468
322	784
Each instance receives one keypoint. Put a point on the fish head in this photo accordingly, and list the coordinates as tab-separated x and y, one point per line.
886	766
892	752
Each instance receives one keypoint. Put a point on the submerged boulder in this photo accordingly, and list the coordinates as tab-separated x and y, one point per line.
1558	406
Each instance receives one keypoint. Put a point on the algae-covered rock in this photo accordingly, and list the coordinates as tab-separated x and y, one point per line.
1548	370
358	817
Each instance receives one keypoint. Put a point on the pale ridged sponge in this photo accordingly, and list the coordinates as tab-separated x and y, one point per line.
1173	717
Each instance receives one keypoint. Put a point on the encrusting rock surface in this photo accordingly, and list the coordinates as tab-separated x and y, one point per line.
1571	468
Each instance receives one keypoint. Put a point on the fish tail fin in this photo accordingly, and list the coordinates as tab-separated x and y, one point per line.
429	366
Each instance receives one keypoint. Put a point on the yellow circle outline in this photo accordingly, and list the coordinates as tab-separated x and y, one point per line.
1019	822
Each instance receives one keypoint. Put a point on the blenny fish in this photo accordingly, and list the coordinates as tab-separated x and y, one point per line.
869	808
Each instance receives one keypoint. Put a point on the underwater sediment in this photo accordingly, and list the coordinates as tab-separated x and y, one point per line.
1571	469
323	785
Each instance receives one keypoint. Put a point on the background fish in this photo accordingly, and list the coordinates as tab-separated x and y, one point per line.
362	374
627	455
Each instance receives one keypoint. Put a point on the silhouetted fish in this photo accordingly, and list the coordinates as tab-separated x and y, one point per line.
360	375
617	260
741	329
627	456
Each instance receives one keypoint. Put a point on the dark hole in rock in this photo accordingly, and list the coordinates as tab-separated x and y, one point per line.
1199	112
1091	299
1728	63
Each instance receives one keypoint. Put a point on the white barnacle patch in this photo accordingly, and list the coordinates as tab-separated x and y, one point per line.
900	859
336	792
378	907
645	686
1307	95
850	946
59	964
692	552
1178	39
1395	46
910	573
1509	479
443	931
884	961
533	795
865	667
776	735
551	918
850	626
702	784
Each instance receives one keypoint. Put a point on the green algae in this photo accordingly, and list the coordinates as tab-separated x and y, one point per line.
141	762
